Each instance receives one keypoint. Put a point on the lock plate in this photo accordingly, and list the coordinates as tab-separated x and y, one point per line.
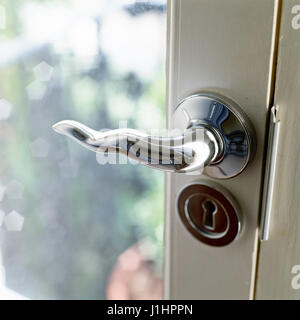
209	213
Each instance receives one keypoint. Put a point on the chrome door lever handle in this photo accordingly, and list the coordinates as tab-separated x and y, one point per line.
217	139
188	152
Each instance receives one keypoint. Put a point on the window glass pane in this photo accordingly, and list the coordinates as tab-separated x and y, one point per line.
71	227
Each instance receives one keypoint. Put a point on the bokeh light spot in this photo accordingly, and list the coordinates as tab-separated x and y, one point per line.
14	221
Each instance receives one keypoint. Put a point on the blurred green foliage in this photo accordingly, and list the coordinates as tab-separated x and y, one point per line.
79	215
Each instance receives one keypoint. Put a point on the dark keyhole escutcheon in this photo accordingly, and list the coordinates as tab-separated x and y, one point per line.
209	214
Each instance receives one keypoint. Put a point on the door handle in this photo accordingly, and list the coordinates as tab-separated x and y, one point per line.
217	139
189	152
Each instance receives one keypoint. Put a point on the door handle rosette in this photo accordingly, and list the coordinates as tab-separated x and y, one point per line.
216	139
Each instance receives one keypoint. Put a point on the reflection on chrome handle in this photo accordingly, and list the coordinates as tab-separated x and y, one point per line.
190	152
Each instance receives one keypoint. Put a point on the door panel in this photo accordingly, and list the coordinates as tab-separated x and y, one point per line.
280	256
226	47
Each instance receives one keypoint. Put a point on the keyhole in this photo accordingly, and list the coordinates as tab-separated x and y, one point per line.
209	213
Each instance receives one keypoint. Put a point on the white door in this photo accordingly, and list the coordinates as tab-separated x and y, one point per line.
227	48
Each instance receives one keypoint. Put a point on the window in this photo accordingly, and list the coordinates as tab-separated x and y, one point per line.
72	228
